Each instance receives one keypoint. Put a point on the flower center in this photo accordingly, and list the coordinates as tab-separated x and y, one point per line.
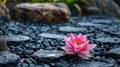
78	42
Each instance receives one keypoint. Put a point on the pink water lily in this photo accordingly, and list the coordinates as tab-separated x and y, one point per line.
78	45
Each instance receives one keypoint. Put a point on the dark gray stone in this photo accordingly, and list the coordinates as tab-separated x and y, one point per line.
52	36
48	55
72	29
8	59
108	40
93	64
89	24
16	38
114	53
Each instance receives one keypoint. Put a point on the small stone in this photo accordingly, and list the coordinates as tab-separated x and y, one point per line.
114	53
16	38
52	36
72	29
93	64
8	59
28	52
48	55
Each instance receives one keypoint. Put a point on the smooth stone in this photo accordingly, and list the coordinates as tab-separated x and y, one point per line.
48	55
93	64
52	36
72	29
16	38
108	40
114	53
106	21
89	24
8	59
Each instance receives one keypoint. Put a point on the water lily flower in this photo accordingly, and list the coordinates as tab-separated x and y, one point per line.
78	45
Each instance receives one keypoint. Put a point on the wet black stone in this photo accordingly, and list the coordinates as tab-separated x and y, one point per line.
93	64
16	38
72	29
52	36
28	52
8	59
48	55
108	40
114	53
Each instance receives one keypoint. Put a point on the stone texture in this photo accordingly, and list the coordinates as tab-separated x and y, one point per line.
16	38
8	59
108	40
72	29
89	24
36	12
114	53
106	7
52	36
47	55
102	21
93	64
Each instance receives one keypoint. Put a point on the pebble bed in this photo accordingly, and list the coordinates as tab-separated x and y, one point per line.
39	45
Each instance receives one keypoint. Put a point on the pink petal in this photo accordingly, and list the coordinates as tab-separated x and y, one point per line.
77	48
85	38
69	43
83	56
89	46
68	50
72	37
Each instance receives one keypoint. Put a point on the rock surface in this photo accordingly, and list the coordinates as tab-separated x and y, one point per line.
47	55
114	53
93	64
16	38
72	29
8	59
36	12
52	36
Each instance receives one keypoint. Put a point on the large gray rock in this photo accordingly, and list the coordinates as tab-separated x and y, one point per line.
106	7
36	12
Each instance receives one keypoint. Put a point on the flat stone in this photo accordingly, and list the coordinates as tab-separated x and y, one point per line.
93	64
52	36
89	24
115	53
106	21
72	29
16	38
108	40
48	55
8	59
